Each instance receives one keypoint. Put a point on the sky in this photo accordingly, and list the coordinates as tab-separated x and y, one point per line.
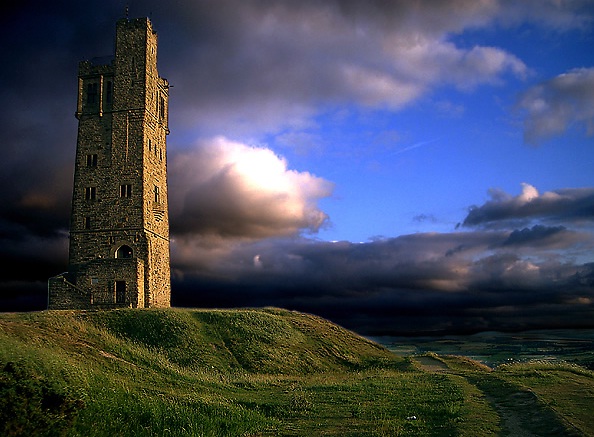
399	167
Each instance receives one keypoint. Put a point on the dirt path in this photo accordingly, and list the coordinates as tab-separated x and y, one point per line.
433	365
519	409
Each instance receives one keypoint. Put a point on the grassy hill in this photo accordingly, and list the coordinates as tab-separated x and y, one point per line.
259	372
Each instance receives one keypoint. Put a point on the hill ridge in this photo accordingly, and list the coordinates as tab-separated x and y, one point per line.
267	340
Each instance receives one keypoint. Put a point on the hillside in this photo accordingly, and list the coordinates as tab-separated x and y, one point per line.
255	372
68	361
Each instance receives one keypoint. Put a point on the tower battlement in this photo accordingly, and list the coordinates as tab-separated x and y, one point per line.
119	228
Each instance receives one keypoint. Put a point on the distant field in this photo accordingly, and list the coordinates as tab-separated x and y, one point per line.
265	372
495	348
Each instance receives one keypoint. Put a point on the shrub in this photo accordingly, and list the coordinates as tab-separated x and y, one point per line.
31	405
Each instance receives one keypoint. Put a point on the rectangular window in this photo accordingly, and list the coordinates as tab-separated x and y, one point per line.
92	160
157	195
94	281
91	193
92	93
87	222
126	190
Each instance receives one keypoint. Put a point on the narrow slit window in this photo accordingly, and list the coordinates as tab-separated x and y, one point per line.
157	195
87	222
161	107
92	160
126	190
91	193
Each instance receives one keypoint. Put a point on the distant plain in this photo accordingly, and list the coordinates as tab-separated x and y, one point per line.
495	348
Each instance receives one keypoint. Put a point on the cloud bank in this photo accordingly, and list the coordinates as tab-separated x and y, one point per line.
276	64
493	276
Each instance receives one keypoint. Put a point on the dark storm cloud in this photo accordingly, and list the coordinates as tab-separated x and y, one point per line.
42	44
537	235
415	283
37	166
570	205
500	278
27	261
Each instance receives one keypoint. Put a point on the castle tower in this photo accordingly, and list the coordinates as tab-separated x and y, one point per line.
119	230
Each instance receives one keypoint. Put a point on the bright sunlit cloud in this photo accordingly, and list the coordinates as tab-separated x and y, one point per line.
232	189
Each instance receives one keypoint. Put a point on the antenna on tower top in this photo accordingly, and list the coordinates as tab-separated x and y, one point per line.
126	12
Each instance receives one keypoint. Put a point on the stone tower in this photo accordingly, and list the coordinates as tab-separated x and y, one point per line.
119	229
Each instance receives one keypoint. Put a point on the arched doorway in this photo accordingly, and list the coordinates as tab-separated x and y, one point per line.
124	251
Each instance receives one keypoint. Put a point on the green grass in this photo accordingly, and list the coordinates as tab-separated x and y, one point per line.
258	372
543	399
566	389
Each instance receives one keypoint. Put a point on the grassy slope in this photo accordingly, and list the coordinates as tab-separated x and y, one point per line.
240	372
532	398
